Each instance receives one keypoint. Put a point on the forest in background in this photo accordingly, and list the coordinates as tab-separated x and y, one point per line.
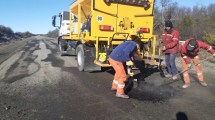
7	34
196	21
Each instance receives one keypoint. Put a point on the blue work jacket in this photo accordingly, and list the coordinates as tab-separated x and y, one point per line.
124	51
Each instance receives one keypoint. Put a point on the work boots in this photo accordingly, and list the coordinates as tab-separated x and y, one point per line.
122	96
185	86
175	77
204	84
167	75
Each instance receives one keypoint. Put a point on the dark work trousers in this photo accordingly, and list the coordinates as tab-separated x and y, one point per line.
170	63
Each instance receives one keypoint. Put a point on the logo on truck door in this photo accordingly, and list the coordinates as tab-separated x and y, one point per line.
99	18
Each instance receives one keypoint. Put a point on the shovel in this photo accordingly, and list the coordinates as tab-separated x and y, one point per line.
187	70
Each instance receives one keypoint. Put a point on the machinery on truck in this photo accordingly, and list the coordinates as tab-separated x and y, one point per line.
96	27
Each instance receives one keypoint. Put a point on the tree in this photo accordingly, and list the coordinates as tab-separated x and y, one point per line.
53	33
7	34
209	38
198	22
185	26
6	31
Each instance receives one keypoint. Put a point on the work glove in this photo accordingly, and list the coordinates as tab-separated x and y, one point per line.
163	48
129	63
189	66
130	72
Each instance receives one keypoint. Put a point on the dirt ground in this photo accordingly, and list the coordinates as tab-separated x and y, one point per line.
38	84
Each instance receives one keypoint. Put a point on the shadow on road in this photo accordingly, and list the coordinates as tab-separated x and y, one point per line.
181	116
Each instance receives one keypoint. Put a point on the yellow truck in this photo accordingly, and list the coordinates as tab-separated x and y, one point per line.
96	27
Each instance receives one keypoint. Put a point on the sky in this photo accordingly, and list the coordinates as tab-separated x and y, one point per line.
35	16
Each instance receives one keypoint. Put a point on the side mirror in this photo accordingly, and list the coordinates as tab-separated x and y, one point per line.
54	21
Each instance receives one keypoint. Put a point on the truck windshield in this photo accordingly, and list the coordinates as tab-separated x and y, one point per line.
65	15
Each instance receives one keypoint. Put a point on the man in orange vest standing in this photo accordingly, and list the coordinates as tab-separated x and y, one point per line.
189	51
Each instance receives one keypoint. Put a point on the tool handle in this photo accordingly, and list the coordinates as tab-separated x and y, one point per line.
195	65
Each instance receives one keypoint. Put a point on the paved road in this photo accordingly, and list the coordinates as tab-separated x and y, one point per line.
36	83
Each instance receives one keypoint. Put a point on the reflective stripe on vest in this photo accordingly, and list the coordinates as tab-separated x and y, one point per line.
196	57
175	38
121	85
209	48
185	57
115	81
185	74
169	35
199	74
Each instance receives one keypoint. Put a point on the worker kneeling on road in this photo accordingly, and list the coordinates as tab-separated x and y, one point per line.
189	51
121	54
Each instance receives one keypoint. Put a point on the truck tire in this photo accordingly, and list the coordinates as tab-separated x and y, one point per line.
62	46
80	57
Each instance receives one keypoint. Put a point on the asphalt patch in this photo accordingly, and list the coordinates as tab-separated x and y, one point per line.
56	62
151	93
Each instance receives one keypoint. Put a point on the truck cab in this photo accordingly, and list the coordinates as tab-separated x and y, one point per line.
62	22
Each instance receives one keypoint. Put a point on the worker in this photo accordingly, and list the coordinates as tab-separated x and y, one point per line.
189	51
170	47
120	55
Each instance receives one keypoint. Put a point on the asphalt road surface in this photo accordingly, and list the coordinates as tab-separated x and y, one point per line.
36	83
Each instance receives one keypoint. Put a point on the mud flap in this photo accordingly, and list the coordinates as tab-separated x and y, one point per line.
89	57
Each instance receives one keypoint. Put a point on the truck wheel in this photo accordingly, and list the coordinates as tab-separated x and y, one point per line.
80	58
62	46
